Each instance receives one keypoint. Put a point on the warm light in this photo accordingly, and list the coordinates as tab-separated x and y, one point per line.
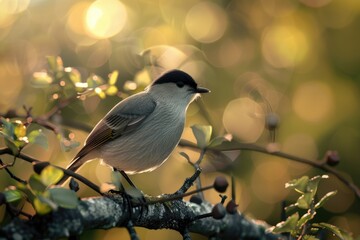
105	18
206	22
244	118
284	46
313	101
10	7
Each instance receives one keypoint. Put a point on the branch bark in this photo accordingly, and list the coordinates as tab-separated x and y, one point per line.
111	211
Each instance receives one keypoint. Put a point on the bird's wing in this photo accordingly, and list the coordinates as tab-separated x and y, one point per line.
126	116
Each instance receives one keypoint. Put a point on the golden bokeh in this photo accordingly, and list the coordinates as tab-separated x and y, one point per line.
295	59
105	18
313	101
284	46
245	119
206	22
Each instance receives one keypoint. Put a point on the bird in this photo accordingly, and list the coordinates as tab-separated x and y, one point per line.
140	132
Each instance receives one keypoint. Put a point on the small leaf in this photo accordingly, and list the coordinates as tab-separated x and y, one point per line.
343	235
55	63
12	195
36	183
116	179
41	80
63	197
305	200
43	205
305	218
38	137
111	91
324	199
10	144
291	207
113	78
288	225
74	75
298	184
219	140
202	134
19	130
26	191
51	175
313	184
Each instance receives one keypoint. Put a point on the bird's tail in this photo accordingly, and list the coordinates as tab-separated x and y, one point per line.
73	166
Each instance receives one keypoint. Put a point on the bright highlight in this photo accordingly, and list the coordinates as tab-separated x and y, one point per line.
105	18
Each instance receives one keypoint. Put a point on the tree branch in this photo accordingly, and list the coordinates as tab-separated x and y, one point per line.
231	146
111	211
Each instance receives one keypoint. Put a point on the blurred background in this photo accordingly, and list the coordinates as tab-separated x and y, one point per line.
298	59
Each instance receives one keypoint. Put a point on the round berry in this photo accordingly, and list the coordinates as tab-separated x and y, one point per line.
218	211
220	184
39	166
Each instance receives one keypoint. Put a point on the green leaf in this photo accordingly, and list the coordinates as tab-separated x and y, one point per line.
343	235
38	137
219	140
94	81
111	91
291	207
41	80
324	199
63	197
26	191
73	74
313	183
305	200
113	78
55	63
116	179
12	195
305	218
299	184
43	205
36	183
10	144
288	225
51	175
202	134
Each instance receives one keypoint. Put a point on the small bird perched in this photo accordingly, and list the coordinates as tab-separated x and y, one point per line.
141	131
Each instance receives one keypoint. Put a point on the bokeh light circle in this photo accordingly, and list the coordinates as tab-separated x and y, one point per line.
206	22
313	101
244	118
284	46
105	18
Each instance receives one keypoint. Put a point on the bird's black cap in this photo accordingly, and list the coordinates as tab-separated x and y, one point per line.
177	76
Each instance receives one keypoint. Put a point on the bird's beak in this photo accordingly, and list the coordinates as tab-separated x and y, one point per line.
202	90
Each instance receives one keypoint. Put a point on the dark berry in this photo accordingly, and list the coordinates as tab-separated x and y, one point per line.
196	199
231	207
220	184
74	185
332	158
39	166
218	211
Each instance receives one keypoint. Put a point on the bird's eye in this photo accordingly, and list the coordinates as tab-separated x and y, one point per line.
180	84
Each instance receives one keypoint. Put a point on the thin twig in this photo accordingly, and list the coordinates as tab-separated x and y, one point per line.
70	173
256	148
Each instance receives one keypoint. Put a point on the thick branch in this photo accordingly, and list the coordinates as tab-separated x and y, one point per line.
112	211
